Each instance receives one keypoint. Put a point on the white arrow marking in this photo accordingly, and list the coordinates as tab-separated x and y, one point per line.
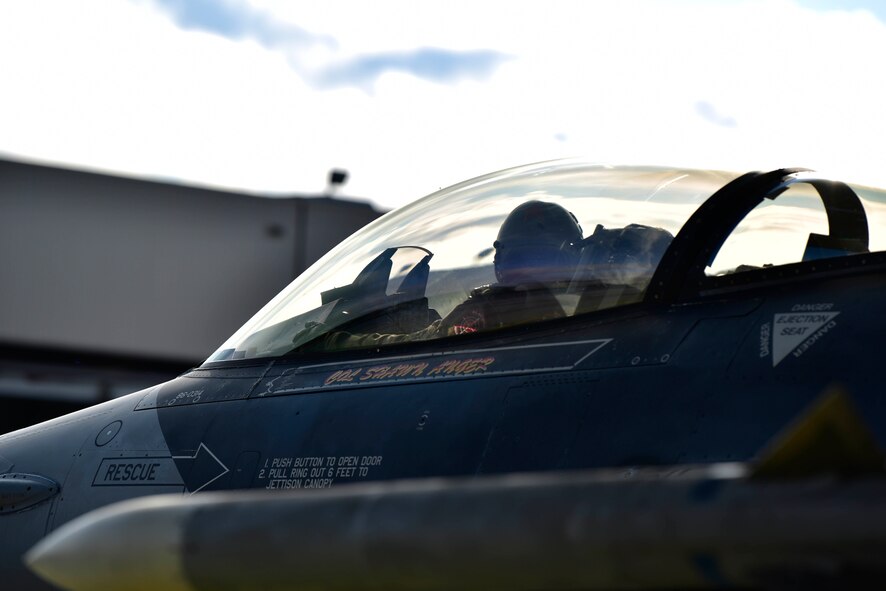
214	457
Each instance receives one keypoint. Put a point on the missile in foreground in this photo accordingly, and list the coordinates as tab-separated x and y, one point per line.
700	529
684	527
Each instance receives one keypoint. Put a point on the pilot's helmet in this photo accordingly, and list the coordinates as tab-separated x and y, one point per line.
538	243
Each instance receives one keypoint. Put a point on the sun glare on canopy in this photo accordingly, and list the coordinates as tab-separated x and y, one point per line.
442	266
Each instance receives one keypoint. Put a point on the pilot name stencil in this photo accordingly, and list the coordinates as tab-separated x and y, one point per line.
306	472
795	332
450	367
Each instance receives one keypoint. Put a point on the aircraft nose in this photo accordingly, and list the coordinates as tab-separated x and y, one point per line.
89	553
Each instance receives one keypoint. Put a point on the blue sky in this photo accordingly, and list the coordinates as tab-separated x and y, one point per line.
875	7
238	20
235	20
268	95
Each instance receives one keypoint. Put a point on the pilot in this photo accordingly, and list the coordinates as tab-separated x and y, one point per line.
537	243
537	248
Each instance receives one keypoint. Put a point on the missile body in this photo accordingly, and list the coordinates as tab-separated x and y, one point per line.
705	527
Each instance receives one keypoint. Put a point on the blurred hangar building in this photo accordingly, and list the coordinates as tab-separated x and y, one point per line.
109	284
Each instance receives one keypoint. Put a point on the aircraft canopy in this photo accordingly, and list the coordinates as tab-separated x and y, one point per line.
457	262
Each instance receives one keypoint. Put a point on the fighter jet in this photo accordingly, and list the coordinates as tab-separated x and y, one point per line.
565	324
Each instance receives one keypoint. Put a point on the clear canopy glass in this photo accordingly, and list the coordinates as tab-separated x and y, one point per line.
778	231
434	268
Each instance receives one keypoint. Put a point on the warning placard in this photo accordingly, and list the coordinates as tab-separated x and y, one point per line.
792	330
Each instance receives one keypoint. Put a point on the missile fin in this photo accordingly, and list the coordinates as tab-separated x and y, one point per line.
828	438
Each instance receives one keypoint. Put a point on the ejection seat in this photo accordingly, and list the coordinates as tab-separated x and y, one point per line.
616	264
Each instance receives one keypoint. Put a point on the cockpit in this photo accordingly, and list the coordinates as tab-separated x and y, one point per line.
546	242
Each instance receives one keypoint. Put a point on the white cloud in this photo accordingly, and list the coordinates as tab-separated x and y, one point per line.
116	85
